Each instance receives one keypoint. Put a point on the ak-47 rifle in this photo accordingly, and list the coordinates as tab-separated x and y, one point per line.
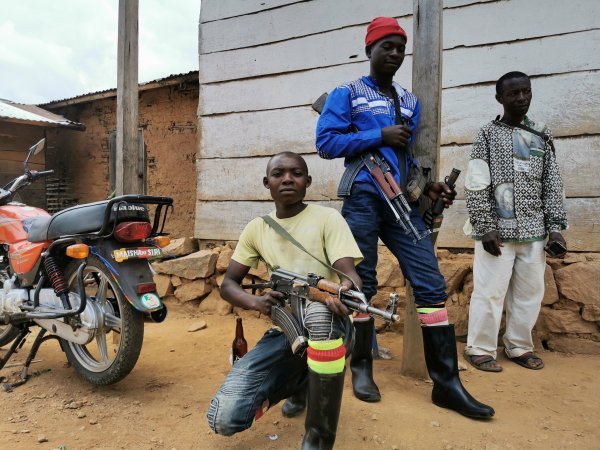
298	289
433	217
387	186
391	192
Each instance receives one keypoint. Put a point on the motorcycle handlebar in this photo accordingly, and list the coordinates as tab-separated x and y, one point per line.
34	174
18	183
24	180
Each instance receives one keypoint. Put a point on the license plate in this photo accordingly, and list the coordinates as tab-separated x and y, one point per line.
123	254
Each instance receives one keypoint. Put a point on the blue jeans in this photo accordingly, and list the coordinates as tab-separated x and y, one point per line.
269	372
370	218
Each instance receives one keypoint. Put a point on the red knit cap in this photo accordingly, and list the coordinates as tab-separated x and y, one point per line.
381	27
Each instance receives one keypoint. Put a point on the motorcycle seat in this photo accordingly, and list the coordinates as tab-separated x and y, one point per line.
80	219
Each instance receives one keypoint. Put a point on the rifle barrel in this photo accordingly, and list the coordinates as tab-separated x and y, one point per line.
385	315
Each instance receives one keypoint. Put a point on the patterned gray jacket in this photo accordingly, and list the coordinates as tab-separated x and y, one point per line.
513	184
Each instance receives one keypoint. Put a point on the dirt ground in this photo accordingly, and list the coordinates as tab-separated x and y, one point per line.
163	402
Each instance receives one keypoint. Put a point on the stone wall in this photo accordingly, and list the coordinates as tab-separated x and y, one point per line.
570	314
568	322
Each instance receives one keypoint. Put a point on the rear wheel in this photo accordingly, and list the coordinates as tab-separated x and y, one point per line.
118	342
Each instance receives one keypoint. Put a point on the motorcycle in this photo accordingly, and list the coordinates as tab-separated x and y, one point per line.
82	276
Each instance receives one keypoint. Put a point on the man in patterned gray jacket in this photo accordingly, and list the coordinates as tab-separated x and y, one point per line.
514	195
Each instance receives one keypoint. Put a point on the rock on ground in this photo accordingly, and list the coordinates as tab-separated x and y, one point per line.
223	260
564	321
568	344
580	282
197	326
197	265
193	290
550	289
180	247
215	304
164	286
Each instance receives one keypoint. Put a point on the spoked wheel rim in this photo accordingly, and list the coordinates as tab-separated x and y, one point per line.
104	296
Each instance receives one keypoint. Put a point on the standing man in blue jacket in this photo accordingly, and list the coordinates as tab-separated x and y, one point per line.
375	114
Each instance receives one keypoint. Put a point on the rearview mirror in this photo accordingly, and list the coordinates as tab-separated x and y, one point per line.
35	149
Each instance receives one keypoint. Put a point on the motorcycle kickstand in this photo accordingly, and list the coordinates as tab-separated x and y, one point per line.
17	344
40	338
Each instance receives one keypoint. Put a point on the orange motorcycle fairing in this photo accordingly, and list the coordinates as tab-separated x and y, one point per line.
23	254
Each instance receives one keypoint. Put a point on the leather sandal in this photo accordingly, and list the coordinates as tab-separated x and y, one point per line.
480	361
525	358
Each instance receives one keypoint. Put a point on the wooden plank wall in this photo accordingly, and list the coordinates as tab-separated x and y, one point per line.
262	63
15	141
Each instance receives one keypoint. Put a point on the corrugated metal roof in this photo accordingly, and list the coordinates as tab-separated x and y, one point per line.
33	115
113	92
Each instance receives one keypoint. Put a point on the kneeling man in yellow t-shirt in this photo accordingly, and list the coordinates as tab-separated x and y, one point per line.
270	372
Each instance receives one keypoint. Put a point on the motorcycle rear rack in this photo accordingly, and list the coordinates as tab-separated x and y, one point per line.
160	215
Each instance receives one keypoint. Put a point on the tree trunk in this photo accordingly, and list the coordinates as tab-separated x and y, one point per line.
427	86
128	176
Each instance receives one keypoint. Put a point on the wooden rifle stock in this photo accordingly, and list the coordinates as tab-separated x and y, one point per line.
328	286
380	178
316	288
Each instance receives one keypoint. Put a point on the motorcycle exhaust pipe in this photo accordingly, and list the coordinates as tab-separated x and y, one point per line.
157	316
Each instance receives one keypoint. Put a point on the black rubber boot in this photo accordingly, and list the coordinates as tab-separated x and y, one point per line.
442	364
361	364
323	412
295	404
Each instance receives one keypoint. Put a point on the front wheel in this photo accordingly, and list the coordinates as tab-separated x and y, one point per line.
118	342
8	333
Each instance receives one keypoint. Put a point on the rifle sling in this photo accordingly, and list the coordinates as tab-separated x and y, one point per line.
288	237
544	136
400	152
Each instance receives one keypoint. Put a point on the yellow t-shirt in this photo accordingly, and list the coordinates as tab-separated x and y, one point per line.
321	230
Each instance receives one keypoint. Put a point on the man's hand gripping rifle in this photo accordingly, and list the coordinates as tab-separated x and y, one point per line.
299	288
434	217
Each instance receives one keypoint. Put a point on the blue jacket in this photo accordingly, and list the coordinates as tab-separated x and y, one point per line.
359	104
